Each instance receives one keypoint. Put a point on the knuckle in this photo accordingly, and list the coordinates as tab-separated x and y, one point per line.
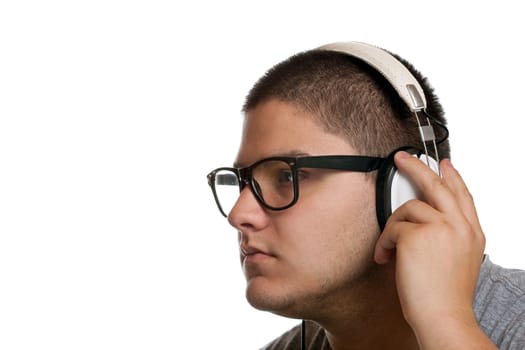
482	241
437	184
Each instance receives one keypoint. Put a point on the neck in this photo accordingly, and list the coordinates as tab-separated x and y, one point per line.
372	317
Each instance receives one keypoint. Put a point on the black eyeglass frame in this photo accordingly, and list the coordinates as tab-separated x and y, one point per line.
331	162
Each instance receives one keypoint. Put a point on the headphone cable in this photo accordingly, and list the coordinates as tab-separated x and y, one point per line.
303	335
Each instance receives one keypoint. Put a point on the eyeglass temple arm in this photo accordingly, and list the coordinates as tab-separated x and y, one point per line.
353	163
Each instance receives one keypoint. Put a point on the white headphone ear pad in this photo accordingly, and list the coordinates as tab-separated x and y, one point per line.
393	189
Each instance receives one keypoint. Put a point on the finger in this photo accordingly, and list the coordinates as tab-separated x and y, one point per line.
434	189
407	218
457	186
412	212
415	211
384	249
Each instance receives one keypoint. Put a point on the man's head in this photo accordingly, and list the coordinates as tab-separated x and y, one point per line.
311	258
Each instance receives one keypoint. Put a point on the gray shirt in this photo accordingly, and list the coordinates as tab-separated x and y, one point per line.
499	306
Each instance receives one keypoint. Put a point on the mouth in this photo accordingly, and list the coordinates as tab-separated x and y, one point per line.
252	254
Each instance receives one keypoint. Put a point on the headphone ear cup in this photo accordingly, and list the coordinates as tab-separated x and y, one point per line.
394	189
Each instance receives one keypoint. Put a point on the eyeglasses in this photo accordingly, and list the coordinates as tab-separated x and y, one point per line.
275	181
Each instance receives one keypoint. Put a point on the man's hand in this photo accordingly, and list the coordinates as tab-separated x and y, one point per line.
438	246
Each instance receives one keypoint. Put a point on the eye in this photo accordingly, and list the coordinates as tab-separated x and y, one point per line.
285	176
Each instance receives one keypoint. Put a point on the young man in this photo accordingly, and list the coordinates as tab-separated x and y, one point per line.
317	241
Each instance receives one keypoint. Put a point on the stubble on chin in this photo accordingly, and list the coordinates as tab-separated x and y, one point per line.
268	298
318	301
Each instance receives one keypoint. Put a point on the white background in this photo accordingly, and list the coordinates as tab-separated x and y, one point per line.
112	113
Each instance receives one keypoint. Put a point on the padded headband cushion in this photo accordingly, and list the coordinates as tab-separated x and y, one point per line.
394	71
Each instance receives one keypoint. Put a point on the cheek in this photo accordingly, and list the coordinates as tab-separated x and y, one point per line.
333	228
335	207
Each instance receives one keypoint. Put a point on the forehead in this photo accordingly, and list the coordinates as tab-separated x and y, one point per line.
279	128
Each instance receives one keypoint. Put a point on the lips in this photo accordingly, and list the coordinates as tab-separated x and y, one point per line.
247	251
250	252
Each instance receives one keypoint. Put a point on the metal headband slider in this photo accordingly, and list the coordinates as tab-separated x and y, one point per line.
417	101
427	133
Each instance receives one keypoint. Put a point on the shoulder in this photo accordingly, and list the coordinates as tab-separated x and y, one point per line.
499	304
291	340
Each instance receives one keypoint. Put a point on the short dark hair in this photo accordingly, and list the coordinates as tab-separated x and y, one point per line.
350	99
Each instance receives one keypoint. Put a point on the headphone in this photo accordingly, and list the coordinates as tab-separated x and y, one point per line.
393	189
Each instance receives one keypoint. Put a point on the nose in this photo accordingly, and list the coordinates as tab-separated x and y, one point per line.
247	213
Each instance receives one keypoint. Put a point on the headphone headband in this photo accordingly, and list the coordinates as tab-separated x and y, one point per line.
394	71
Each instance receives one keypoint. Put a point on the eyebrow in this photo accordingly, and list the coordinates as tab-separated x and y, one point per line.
291	153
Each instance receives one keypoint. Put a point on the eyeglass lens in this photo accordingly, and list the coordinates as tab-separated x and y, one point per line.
272	180
226	189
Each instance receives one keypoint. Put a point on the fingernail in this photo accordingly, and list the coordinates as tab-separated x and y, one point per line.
447	160
403	155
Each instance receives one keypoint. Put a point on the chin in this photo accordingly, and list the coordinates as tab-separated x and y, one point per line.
275	299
